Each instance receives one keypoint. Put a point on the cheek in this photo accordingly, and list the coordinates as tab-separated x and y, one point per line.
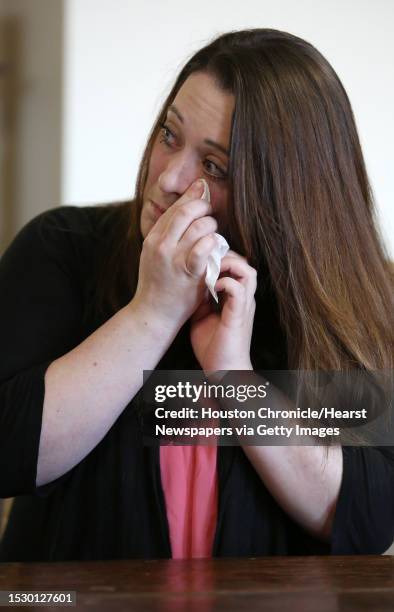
219	200
156	165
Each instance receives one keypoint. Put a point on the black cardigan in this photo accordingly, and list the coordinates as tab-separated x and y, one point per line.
111	505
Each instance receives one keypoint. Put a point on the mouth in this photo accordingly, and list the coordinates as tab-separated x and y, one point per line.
158	209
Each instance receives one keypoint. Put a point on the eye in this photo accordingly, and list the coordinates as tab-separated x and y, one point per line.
166	135
214	170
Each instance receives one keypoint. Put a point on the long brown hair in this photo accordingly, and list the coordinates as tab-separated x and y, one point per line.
301	209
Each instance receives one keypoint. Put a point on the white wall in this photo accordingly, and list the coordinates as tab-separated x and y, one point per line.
122	55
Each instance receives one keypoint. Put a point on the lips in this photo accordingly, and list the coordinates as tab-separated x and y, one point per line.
158	208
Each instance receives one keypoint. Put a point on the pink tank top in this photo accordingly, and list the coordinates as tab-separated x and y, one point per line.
189	482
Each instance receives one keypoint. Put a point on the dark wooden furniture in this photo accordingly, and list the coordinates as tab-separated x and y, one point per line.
323	584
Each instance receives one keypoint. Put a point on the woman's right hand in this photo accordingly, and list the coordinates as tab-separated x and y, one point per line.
174	257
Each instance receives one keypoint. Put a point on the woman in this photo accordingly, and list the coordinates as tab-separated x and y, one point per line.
93	296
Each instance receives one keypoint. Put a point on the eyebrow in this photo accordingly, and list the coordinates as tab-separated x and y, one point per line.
207	141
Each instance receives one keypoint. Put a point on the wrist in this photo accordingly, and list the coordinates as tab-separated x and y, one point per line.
150	321
217	375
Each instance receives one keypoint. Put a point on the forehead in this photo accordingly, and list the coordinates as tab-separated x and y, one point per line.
205	106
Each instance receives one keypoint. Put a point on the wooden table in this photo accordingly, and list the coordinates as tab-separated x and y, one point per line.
316	584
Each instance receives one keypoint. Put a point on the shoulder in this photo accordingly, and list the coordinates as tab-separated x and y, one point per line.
67	238
67	230
75	220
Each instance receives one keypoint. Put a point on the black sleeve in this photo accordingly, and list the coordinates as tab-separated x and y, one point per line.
40	320
364	517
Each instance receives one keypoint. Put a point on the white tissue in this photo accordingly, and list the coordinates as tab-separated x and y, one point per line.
213	266
214	259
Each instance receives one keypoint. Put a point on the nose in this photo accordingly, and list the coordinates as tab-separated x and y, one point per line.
180	171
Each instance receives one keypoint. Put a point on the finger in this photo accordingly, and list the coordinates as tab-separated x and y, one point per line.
190	203
197	259
235	302
182	219
241	271
197	229
196	191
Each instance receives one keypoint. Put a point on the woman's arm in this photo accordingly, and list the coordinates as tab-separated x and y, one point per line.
87	389
61	391
44	432
302	481
298	478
